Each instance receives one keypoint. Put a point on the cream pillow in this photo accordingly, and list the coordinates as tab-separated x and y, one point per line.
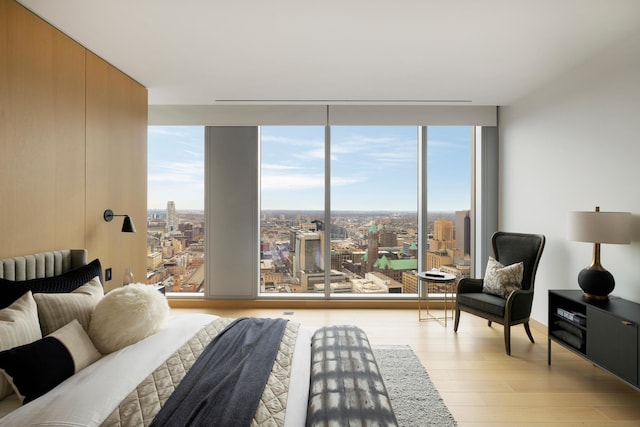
501	280
18	326
127	315
58	309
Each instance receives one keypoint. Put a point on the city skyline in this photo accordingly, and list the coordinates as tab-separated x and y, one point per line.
365	161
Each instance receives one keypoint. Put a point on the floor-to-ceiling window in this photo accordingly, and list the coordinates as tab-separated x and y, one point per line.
175	208
372	227
374	208
292	188
449	185
302	210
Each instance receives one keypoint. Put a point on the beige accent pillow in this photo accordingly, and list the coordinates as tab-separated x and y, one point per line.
58	309
18	326
501	280
75	339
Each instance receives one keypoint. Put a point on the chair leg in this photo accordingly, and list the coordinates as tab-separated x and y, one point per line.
489	323
457	320
528	331
507	339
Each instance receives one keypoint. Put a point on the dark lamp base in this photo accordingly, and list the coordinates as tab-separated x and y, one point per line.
596	284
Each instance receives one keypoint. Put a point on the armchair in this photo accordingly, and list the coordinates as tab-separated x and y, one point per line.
508	248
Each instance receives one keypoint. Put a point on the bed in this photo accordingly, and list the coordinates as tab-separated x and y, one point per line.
84	358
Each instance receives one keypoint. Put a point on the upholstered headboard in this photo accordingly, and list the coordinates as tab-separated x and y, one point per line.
45	264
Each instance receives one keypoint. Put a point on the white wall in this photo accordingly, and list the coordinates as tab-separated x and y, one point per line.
572	145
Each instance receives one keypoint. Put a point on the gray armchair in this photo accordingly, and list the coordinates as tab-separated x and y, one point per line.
508	248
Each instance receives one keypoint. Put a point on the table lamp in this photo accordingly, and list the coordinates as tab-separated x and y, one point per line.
598	227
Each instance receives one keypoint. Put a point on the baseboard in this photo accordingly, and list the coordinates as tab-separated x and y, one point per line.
236	304
298	303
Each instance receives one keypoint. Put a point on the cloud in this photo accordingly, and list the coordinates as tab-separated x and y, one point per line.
197	154
447	145
391	156
369	151
291	181
168	131
339	181
277	182
273	166
176	172
298	142
317	154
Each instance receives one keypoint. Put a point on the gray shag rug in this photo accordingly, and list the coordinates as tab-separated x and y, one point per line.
415	400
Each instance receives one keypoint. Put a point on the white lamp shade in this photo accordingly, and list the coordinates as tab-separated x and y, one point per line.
600	227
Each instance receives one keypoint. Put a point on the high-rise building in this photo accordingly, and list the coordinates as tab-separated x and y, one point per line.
388	238
372	246
442	230
172	220
463	231
442	236
308	252
308	261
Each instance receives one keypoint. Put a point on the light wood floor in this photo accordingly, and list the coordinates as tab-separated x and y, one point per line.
479	383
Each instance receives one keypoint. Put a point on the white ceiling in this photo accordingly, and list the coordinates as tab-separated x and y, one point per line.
463	52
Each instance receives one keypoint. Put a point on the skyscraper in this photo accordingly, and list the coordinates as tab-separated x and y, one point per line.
442	236
172	221
372	246
308	255
463	231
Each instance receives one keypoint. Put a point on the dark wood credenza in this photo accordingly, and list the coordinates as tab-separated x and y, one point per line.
605	332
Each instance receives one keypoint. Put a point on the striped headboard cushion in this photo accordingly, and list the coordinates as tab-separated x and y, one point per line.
45	264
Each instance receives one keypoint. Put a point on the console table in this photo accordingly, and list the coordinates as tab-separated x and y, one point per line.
605	332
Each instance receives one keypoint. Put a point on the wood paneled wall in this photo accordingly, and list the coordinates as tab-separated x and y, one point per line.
73	142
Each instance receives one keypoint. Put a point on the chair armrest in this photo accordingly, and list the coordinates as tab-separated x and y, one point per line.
519	303
470	286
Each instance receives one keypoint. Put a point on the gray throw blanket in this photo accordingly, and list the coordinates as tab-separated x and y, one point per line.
224	386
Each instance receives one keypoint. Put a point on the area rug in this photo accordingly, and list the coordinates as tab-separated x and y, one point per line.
415	400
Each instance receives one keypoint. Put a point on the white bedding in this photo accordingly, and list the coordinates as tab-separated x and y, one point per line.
89	396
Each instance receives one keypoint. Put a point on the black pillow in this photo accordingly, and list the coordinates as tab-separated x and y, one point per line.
11	290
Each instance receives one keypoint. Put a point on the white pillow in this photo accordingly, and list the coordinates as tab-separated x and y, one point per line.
18	326
501	280
127	315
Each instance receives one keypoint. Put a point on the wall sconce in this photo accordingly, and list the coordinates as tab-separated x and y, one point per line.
127	224
598	227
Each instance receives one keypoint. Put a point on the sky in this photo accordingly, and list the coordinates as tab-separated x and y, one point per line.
175	169
372	168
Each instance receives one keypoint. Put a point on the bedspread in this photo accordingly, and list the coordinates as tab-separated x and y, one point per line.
128	387
141	405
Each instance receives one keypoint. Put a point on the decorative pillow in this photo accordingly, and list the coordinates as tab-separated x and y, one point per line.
34	369
127	315
572	329
66	282
501	280
56	310
18	325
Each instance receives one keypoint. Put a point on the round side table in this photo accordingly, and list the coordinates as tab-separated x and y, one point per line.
434	276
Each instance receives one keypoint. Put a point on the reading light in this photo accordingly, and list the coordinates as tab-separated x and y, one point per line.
598	227
127	224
